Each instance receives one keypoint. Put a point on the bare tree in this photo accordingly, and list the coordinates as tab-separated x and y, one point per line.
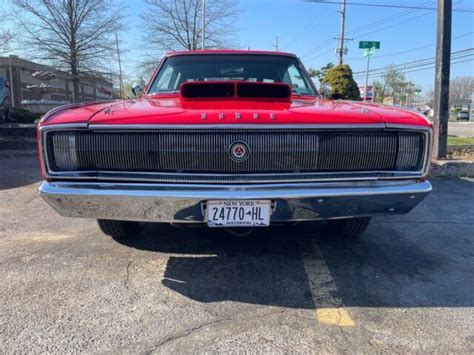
319	74
75	35
6	35
177	24
461	87
393	84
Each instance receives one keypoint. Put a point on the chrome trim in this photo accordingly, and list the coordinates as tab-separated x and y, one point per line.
58	109
44	158
236	126
83	175
239	179
408	127
183	203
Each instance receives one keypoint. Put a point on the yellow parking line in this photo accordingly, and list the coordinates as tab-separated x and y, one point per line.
329	307
336	316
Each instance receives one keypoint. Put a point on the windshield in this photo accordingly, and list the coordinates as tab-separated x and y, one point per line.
253	68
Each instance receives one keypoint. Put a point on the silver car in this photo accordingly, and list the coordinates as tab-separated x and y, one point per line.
463	115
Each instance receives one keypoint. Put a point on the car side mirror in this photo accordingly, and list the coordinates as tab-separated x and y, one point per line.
137	90
325	90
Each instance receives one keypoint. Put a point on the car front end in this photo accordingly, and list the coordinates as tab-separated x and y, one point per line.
234	153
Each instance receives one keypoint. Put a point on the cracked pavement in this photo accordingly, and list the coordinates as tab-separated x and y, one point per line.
407	287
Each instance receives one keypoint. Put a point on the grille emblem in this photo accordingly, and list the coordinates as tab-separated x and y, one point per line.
239	151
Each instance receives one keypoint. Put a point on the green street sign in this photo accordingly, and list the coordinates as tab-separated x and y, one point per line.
369	44
418	91
369	52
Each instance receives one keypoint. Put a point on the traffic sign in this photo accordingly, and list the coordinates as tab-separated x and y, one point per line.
369	44
369	52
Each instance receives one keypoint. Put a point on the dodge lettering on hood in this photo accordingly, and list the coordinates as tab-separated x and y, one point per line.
233	139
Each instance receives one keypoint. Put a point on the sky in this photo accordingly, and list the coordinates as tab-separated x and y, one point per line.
308	29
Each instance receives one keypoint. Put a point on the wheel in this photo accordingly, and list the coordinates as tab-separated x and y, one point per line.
350	227
119	229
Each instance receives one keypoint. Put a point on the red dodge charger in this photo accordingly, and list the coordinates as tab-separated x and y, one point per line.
233	139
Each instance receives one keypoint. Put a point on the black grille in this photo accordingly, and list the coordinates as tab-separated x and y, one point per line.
208	152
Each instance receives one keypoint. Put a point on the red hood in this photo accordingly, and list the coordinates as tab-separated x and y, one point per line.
172	110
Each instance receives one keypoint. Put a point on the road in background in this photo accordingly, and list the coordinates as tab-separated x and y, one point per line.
461	129
65	287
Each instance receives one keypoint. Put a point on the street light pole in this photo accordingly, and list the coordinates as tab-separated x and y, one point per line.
122	94
203	46
442	73
367	78
10	69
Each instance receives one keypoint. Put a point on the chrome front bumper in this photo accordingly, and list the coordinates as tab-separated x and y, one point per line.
187	203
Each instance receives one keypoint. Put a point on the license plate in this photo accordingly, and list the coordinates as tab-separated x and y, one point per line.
238	213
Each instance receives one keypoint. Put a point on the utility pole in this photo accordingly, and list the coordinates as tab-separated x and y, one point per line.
340	50
203	46
442	73
120	67
276	43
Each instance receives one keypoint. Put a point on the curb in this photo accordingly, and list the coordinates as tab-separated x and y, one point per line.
452	168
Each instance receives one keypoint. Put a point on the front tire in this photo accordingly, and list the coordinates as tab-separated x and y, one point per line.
119	229
350	228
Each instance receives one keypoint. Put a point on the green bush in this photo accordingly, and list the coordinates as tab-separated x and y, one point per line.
21	115
343	84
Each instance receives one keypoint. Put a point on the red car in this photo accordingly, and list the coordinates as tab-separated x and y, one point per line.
233	139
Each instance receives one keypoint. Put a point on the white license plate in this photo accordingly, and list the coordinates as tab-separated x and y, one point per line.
238	213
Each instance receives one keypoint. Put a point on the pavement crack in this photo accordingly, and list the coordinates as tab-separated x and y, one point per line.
190	331
127	275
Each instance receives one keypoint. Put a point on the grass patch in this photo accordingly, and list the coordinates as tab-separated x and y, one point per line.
455	140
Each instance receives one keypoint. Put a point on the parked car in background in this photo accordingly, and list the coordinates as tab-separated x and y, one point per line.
463	115
4	101
233	139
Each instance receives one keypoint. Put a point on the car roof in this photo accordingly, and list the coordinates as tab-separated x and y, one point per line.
229	51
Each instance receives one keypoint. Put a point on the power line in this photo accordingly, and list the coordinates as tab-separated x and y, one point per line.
308	25
387	6
393	25
379	75
311	55
384	20
416	67
414	63
412	49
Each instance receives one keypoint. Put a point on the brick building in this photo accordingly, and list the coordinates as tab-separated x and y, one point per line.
19	73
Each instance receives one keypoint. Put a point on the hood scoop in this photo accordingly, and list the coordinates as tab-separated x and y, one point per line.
235	90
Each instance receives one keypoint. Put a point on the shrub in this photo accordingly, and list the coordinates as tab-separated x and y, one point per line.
21	115
342	83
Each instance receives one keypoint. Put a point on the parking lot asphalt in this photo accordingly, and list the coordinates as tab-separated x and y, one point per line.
407	286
